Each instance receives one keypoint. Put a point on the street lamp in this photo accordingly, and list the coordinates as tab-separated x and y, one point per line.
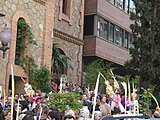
5	37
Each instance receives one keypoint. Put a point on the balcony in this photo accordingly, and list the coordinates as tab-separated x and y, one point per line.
95	46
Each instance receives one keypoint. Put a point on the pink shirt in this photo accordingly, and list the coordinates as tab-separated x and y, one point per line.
116	100
34	99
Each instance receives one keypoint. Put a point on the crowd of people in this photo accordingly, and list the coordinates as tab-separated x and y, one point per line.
34	107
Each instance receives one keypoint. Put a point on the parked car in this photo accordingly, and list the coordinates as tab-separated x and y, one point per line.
126	116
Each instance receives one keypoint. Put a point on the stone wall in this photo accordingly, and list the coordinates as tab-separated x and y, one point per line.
69	36
36	14
44	17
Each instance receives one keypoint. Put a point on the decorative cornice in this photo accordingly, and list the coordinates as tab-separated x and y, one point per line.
67	37
40	1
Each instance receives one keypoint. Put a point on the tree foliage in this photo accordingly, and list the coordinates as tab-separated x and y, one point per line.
65	101
42	78
145	55
92	71
59	59
25	37
38	77
145	101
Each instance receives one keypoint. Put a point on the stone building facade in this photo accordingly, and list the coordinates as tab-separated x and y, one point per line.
39	14
52	21
68	34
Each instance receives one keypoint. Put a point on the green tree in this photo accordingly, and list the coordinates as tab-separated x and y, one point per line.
42	78
92	71
145	60
145	101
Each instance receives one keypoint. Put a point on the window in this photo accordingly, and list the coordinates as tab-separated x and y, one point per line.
118	36
131	6
102	28
126	6
21	46
65	10
125	42
99	28
64	7
111	32
88	25
130	41
108	31
119	3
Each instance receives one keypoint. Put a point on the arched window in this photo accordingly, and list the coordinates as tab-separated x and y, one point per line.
19	42
24	38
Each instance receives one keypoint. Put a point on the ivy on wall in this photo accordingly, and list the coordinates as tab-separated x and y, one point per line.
24	38
38	78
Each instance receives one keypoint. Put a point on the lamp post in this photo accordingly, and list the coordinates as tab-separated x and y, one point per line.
5	37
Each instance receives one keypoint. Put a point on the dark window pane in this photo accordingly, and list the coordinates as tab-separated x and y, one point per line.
64	7
130	41
88	25
111	33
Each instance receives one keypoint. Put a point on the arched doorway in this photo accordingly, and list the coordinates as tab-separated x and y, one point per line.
59	64
19	85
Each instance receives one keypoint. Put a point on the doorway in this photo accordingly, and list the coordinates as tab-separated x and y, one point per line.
19	85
